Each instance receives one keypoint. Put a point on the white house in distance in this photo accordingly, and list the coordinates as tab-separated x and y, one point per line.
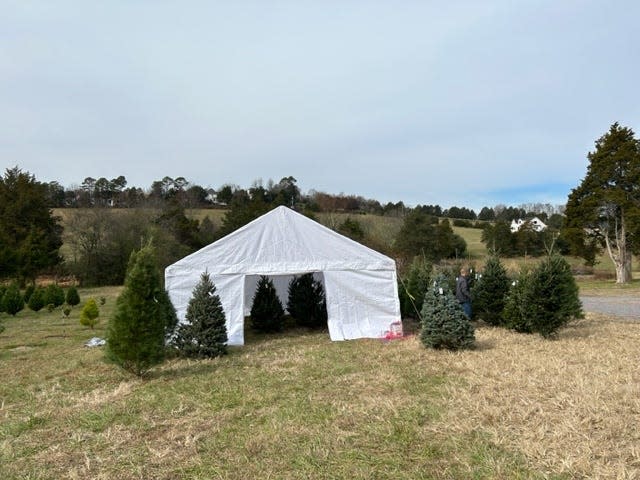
536	224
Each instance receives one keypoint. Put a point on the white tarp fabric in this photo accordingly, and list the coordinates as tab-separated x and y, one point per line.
360	284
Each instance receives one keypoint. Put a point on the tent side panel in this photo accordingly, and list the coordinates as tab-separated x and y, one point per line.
230	288
361	304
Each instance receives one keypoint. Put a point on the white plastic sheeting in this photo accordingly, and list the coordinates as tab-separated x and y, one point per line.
360	283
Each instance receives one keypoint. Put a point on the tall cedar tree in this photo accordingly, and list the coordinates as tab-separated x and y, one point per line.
444	324
414	287
143	317
603	212
306	301
12	301
267	313
30	236
204	333
490	291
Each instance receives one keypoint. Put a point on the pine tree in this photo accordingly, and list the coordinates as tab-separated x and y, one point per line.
136	332
72	297
555	295
444	324
90	313
306	301
36	301
53	295
12	300
204	333
544	300
490	291
267	313
415	286
517	308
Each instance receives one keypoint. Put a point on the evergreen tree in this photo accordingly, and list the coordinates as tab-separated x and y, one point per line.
12	300
444	324
204	333
53	295
90	313
72	297
603	212
136	331
413	289
306	302
554	294
517	304
30	236
267	313
36	300
490	291
543	300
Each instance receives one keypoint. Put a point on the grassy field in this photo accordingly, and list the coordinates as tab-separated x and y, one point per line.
300	406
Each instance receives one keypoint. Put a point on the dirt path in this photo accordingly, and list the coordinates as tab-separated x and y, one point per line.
620	306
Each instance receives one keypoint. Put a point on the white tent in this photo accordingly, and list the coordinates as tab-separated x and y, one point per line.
360	284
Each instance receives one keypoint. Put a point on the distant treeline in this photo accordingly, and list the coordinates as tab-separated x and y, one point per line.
116	192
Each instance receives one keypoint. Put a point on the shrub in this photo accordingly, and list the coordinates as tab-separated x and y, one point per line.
490	291
66	311
36	301
267	313
204	333
53	295
72	297
136	331
12	301
414	287
444	324
306	302
90	313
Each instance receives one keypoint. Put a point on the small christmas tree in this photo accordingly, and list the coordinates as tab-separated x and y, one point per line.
72	297
490	291
414	287
53	295
306	302
204	333
554	293
36	301
444	324
136	332
518	304
12	301
90	313
267	313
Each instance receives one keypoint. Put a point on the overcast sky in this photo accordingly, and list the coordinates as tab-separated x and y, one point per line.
466	103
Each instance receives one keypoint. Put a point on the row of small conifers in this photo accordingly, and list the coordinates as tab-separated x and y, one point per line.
541	299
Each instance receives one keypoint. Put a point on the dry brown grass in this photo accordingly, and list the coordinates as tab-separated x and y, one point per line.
571	405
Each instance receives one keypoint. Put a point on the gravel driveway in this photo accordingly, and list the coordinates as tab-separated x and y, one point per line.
628	307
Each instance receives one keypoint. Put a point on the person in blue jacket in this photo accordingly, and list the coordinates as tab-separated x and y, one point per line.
463	295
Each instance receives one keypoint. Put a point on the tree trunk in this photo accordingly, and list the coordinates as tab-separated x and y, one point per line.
620	253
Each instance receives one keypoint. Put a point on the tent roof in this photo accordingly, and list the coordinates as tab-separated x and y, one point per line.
283	241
